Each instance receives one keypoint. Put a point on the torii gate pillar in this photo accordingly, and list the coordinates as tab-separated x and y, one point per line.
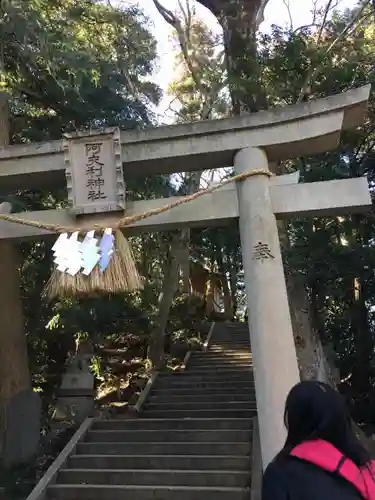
274	354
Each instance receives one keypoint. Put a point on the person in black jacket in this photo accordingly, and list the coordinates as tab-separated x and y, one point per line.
322	459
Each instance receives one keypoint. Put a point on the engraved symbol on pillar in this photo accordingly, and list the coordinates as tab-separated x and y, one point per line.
262	251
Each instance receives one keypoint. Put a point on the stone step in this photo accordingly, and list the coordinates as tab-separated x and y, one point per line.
231	326
220	360
175	435
171	462
222	367
230	330
240	340
222	478
192	378
230	344
202	365
241	337
175	397
230	333
215	372
231	336
217	350
231	340
213	388
195	376
220	355
229	348
139	492
179	384
228	362
226	387
211	371
238	337
165	424
201	405
164	448
211	413
240	345
227	373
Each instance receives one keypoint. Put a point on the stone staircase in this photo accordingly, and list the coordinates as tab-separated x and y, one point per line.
192	440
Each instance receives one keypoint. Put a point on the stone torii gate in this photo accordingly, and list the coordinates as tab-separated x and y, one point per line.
250	143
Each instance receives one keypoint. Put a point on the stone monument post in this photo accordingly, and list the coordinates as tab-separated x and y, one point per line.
75	398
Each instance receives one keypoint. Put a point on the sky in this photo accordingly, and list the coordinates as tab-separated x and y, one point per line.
276	12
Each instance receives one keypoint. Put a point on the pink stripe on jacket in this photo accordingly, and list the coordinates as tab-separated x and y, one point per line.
327	457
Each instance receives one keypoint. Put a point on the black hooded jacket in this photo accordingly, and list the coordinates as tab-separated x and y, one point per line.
317	471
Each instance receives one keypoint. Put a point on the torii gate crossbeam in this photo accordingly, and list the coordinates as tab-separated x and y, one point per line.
284	132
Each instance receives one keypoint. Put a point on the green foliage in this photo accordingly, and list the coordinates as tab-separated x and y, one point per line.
75	64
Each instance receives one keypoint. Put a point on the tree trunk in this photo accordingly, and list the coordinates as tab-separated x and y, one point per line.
240	21
363	339
233	288
361	327
170	282
14	367
144	257
183	257
228	306
311	357
179	258
312	361
192	186
360	322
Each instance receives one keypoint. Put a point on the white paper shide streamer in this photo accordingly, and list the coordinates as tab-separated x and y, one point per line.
71	255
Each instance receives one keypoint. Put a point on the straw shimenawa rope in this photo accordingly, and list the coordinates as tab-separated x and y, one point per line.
127	220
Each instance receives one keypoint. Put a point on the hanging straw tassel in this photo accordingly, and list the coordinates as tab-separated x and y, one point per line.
121	276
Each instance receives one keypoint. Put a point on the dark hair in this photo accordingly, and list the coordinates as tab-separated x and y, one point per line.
315	410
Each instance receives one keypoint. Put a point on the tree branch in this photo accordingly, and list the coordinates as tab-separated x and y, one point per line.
183	32
324	20
306	26
315	11
173	21
260	13
287	5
